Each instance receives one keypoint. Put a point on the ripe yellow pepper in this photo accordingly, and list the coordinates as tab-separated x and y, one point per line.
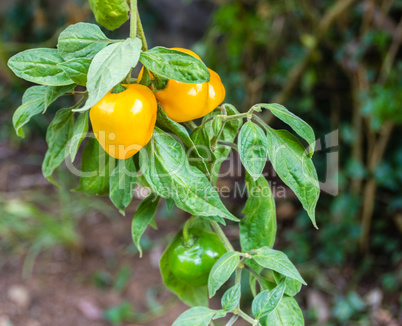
184	102
123	122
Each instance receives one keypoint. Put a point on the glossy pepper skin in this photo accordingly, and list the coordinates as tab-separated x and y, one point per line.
123	122
191	263
184	102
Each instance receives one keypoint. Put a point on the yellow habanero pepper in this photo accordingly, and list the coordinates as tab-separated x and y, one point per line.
184	102
123	122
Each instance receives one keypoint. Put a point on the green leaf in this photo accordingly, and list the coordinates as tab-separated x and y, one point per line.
58	135
292	286
277	261
36	99
175	65
169	204
266	301
164	122
81	40
295	168
165	166
33	103
287	313
222	270
77	70
110	13
122	184
253	149
220	314
40	66
258	227
231	298
192	296
143	216
109	67
297	124
197	316
94	178
79	134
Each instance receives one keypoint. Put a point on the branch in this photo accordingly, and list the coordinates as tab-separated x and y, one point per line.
331	15
390	57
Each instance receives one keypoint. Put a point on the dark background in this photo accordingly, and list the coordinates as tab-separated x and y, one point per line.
68	260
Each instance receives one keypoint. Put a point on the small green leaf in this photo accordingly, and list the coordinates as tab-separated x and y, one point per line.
175	65
222	270
82	40
292	286
297	124
165	167
36	99
79	134
110	13
253	149
258	227
266	301
169	204
192	296
231	298
122	184
94	178
295	168
220	314
77	70
109	67
277	261
33	103
197	316
143	216
58	135
40	66
287	313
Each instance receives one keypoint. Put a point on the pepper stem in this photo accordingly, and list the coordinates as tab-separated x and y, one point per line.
133	18
118	89
187	239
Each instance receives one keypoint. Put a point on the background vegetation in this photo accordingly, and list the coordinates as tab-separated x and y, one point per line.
337	64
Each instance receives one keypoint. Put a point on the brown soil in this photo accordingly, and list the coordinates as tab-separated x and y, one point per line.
61	289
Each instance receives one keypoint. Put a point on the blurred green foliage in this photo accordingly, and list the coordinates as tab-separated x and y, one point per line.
337	64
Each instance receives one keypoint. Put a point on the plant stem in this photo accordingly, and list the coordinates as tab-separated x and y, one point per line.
260	121
191	125
239	269
141	33
133	18
225	143
215	139
80	101
222	236
188	240
257	276
247	317
235	117
232	320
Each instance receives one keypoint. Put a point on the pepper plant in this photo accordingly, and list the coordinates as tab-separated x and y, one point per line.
176	158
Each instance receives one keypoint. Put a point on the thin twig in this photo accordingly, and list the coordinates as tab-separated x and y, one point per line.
294	76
